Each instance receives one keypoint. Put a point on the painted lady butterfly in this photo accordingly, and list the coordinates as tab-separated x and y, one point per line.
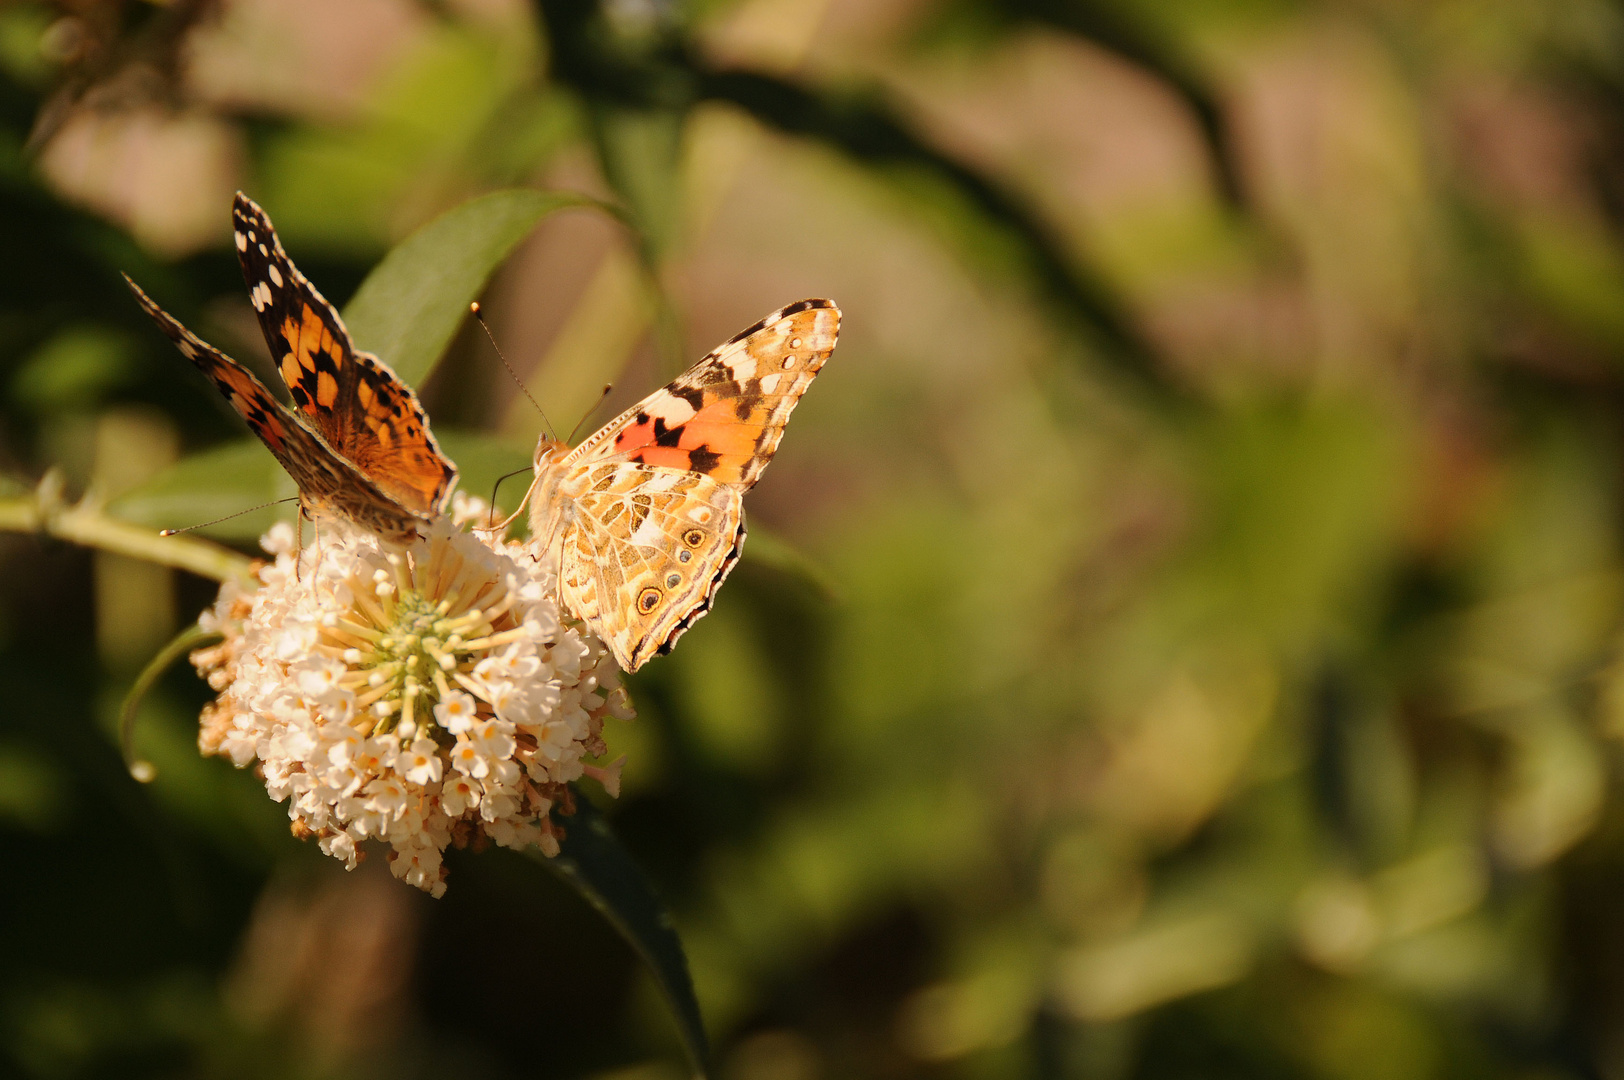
644	519
358	445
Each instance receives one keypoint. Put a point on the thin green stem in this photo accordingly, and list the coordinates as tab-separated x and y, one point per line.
42	511
193	637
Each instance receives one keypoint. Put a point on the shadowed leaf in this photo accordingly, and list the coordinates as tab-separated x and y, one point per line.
241	475
482	457
593	862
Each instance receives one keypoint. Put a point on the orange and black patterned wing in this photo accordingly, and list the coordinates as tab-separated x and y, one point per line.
362	408
327	483
723	417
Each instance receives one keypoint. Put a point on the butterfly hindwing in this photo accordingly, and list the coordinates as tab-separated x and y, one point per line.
723	417
326	481
649	550
353	399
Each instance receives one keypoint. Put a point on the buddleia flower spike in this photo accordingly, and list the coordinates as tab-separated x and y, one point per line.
419	697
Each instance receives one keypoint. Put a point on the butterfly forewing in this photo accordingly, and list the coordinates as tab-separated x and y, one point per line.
327	483
723	417
361	407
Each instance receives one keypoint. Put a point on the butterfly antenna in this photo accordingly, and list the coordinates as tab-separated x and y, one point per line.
496	485
607	387
474	309
228	517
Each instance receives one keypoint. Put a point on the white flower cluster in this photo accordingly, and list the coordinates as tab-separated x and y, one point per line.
422	696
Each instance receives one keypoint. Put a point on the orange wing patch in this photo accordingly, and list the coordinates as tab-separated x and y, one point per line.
252	400
312	364
713	441
725	415
397	450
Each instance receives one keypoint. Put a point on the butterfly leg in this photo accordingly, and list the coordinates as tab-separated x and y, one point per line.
298	540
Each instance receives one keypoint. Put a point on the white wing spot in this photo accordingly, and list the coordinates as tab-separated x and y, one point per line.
262	251
260	296
251	236
789	362
769	383
674	411
795	343
275	275
242	242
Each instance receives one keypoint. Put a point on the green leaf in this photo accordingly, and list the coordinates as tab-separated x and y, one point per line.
224	480
769	549
592	862
410	306
640	151
482	457
74	368
241	475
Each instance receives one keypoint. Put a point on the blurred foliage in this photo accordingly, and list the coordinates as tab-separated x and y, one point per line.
1183	636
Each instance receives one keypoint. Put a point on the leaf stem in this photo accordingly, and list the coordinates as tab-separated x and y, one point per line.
43	511
192	637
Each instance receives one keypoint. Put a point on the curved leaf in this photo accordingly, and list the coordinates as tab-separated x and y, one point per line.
225	480
241	475
769	549
592	862
410	306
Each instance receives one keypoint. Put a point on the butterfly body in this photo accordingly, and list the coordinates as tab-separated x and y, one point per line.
356	442
642	521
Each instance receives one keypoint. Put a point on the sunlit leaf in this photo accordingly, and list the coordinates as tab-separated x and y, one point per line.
225	480
410	306
242	475
593	862
422	130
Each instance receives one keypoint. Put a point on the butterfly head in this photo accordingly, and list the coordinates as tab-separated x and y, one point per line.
550	452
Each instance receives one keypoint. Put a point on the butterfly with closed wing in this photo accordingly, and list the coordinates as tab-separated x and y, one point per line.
642	521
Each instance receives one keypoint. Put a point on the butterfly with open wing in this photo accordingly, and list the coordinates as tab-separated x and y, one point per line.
356	442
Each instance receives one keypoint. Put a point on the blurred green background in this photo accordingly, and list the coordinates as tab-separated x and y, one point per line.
1183	638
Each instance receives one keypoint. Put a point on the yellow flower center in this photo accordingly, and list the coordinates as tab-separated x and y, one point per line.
412	634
